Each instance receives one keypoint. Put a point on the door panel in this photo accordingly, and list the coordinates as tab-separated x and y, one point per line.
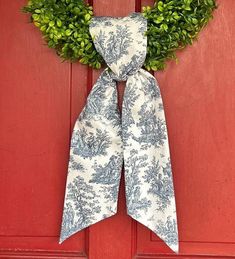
35	115
199	97
111	229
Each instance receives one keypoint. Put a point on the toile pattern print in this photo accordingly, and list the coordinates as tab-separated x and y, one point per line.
102	140
89	144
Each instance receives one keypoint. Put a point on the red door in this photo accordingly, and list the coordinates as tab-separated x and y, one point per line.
40	98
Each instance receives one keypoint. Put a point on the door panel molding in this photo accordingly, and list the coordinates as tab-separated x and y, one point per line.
23	254
189	256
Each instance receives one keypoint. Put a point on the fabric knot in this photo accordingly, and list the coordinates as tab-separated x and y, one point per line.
121	42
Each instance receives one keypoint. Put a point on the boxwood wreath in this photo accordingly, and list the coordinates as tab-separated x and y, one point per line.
172	25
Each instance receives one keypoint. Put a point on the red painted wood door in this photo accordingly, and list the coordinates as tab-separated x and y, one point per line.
40	98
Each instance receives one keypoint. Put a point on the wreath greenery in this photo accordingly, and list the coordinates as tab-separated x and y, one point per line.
172	25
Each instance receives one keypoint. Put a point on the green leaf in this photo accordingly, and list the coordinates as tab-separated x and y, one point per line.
43	28
76	10
159	19
51	23
68	32
35	17
160	8
84	60
59	23
87	17
195	21
97	65
88	46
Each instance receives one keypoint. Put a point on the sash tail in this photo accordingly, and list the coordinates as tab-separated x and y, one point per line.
148	175
95	162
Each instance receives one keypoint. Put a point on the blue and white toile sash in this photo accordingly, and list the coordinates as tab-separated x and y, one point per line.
102	139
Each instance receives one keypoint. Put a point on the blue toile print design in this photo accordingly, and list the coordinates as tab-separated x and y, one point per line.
102	140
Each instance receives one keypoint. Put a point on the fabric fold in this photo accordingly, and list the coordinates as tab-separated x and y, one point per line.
102	139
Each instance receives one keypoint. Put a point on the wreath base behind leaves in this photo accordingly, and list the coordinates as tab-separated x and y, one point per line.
172	25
